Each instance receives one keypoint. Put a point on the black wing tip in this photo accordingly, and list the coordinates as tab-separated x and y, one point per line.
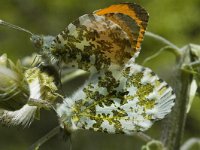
139	9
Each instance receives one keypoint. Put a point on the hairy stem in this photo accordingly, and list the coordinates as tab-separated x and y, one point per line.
174	124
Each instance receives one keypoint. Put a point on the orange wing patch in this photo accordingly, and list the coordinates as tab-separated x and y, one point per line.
134	11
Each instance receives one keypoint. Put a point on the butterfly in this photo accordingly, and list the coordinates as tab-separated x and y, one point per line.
120	96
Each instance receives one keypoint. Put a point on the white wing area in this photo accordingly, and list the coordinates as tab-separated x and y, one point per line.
118	102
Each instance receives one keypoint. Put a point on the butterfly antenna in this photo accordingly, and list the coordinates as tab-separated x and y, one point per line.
14	26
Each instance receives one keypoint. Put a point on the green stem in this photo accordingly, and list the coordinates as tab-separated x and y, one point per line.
163	40
45	138
166	48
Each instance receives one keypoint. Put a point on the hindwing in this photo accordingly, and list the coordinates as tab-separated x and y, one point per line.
126	102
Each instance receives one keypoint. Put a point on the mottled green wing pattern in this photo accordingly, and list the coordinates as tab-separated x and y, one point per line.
118	102
112	35
92	43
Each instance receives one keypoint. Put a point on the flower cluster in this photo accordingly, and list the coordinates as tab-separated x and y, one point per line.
23	92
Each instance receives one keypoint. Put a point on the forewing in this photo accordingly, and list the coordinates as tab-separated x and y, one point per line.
92	43
120	102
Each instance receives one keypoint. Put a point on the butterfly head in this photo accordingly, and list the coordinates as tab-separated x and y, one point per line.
43	44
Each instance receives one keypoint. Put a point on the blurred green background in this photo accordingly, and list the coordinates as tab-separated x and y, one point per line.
178	21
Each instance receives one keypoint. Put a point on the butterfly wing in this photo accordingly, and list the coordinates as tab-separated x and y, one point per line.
118	103
96	41
91	43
